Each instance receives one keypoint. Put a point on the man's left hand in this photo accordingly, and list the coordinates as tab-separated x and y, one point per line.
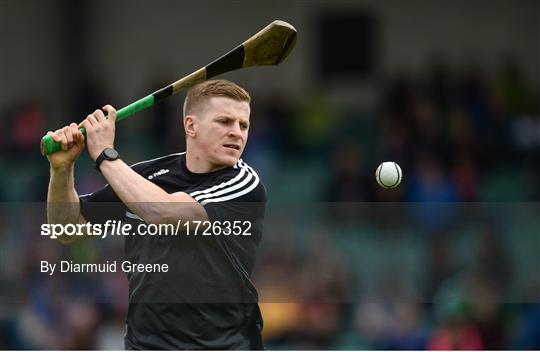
99	130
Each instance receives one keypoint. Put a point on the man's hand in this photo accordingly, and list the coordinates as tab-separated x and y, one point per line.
72	141
99	130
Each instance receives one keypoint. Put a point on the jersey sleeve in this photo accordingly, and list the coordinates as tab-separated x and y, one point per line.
239	211
102	205
246	211
239	196
249	207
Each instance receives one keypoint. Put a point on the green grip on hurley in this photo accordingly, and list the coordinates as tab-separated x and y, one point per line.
49	146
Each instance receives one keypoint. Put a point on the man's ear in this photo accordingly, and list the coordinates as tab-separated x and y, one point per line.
189	125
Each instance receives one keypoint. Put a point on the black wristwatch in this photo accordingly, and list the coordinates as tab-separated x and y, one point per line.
106	154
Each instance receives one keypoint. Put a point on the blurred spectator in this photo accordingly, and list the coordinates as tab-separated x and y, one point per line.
349	177
456	334
527	335
440	265
28	127
316	124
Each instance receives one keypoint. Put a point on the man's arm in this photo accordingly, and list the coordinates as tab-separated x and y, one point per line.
63	205
62	200
148	201
145	199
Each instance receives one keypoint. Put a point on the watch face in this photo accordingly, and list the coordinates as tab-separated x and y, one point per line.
110	153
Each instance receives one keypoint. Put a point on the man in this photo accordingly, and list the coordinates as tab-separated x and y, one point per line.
206	300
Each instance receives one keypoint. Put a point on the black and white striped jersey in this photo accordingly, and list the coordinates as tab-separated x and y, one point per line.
206	300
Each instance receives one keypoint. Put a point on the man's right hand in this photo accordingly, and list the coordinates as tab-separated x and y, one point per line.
72	141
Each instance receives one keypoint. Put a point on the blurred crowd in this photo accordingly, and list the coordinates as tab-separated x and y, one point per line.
328	291
460	135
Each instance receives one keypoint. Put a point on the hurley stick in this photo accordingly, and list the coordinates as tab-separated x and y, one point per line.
270	46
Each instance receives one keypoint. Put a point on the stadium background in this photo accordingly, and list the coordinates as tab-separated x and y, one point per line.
450	90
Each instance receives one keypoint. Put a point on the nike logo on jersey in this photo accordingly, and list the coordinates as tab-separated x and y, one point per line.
159	173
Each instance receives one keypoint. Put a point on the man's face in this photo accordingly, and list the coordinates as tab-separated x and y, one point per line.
221	128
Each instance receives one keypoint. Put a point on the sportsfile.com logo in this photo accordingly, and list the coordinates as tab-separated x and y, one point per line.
123	228
159	173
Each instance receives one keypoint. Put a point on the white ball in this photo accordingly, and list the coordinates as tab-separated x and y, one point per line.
388	174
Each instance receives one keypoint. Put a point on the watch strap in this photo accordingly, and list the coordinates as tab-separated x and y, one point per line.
102	157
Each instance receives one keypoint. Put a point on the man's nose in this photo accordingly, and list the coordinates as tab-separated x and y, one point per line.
235	130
